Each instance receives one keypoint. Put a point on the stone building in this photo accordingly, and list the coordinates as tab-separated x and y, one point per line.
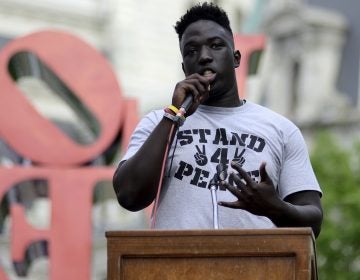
303	73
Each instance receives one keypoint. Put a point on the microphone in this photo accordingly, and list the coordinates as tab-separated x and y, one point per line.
187	103
221	174
221	171
213	187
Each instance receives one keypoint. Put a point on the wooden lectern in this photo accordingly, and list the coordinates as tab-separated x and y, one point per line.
271	254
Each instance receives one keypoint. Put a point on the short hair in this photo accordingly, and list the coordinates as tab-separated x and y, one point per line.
204	11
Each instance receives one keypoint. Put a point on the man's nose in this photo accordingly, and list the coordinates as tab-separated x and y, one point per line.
205	55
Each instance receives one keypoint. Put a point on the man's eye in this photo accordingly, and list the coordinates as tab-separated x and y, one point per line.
216	45
190	51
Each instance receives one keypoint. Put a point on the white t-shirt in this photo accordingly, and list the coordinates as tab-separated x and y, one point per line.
249	134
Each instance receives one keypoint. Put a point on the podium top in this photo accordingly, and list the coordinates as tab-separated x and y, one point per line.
211	232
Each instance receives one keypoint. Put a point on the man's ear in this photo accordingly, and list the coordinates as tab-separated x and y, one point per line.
237	58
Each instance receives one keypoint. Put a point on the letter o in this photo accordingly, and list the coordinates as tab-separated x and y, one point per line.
86	73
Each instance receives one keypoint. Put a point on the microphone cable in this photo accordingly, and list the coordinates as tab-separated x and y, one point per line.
175	125
167	147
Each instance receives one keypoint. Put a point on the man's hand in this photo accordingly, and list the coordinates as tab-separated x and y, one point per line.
196	85
300	209
257	198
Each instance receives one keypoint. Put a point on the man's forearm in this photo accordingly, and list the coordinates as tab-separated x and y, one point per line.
136	180
291	215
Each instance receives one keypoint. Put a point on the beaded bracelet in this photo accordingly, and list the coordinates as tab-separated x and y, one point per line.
175	118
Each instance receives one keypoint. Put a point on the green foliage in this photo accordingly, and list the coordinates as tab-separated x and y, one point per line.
338	171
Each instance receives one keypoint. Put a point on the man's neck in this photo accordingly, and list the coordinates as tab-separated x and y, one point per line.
227	100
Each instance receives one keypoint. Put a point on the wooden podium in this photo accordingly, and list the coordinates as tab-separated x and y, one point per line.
271	254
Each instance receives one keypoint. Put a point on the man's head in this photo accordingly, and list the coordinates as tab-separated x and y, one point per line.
205	11
207	48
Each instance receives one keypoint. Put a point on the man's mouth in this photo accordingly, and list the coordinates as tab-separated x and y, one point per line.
208	73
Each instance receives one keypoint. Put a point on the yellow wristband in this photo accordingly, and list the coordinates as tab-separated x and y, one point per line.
173	108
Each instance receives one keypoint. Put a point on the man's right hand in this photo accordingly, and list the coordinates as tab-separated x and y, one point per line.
196	85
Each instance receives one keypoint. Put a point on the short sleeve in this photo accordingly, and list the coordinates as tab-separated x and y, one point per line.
141	133
296	173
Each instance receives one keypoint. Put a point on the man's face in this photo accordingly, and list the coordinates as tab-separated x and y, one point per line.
207	48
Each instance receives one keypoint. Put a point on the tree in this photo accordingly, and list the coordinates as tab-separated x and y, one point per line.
338	171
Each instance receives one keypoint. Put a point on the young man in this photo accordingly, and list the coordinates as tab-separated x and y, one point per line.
272	182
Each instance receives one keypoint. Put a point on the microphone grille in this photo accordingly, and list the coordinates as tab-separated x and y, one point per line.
221	170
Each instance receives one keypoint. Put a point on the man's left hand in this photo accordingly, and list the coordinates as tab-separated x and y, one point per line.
257	198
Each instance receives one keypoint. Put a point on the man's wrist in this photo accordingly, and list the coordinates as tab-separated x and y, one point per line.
280	215
174	114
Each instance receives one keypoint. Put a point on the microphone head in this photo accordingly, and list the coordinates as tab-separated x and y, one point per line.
221	170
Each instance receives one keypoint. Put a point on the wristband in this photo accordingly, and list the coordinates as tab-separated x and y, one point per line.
167	110
176	119
173	109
